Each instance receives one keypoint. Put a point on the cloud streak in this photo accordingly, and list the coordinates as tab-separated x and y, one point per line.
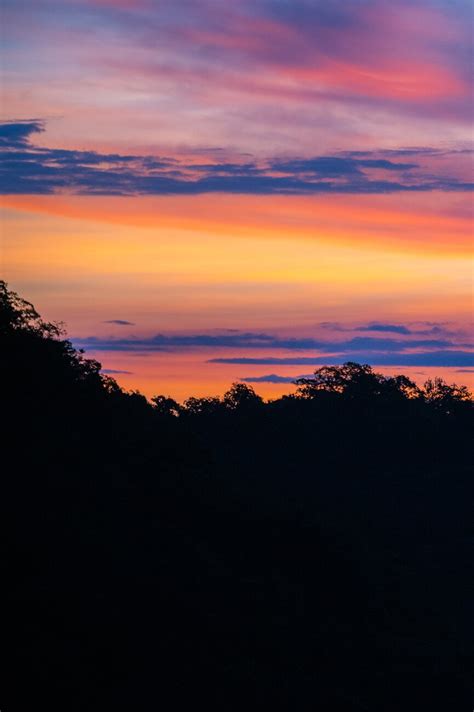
31	169
114	372
250	340
382	351
273	378
440	359
119	322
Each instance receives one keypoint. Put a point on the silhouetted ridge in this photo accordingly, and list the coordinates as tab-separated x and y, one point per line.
308	553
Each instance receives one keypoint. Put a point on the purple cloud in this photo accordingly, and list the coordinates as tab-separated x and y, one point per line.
28	168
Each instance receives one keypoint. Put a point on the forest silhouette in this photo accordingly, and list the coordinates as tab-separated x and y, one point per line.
306	553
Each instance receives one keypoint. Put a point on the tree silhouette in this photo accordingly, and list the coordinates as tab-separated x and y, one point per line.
310	552
445	397
240	396
336	379
166	406
37	359
16	314
211	405
357	382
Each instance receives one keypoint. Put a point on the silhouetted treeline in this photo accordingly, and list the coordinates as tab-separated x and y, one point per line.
307	553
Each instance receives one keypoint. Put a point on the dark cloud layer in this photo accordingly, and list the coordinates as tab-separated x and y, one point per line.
29	169
423	329
249	340
443	359
383	350
17	135
388	328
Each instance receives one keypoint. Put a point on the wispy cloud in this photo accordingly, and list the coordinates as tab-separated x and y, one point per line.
115	371
387	350
429	358
386	328
273	378
250	340
423	329
119	322
31	169
242	74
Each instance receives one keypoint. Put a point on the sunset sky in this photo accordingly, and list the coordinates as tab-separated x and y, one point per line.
207	191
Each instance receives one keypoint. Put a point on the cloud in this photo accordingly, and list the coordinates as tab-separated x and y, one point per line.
389	328
379	351
334	166
113	371
251	340
119	322
17	134
30	169
246	74
413	329
273	378
359	343
177	342
429	358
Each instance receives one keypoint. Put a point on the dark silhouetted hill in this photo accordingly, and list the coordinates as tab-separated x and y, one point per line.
308	553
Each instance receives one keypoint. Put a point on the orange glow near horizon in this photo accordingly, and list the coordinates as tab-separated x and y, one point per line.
233	263
181	376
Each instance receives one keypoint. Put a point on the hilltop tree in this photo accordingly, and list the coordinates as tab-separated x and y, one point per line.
16	314
444	396
166	406
356	382
203	406
37	360
240	395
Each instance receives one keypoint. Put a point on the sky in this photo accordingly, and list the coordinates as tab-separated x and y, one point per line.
206	192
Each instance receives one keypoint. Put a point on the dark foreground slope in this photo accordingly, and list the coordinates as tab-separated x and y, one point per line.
306	554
